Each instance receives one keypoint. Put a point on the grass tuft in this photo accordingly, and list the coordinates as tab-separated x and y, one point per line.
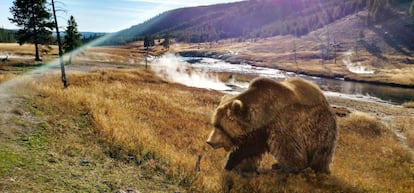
408	105
364	124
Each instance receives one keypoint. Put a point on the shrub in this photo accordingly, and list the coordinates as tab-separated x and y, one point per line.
363	124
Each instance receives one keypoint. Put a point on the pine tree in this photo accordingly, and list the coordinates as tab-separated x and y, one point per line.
412	8
72	40
35	22
167	42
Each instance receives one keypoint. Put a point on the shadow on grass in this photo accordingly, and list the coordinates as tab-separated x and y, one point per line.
26	65
274	182
18	68
373	49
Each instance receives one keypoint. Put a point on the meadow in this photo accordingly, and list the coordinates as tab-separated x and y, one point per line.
163	126
128	128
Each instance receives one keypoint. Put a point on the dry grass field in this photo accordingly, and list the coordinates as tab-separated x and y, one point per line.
161	126
408	104
129	129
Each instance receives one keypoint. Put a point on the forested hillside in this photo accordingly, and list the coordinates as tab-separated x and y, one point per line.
7	35
256	18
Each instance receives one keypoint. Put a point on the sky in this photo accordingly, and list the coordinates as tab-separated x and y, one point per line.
107	15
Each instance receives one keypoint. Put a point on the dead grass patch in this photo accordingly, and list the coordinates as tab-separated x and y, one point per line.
5	77
142	116
405	125
408	104
364	124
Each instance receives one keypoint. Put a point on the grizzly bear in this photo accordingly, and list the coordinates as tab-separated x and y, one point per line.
291	120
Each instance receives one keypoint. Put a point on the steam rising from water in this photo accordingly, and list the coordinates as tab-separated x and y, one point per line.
356	68
176	69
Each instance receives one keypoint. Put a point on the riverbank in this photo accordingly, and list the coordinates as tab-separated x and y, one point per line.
257	61
304	55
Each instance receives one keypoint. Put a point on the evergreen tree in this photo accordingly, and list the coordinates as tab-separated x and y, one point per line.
412	8
148	42
72	39
35	22
167	42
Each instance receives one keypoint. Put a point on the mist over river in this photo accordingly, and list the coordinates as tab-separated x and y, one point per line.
194	71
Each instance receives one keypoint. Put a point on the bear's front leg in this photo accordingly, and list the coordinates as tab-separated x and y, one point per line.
248	153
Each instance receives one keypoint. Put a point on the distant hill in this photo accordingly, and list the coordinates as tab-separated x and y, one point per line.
255	18
259	18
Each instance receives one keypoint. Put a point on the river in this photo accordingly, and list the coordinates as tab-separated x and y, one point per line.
337	87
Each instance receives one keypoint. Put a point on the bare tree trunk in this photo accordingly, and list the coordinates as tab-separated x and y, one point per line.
37	57
62	65
294	50
36	39
146	58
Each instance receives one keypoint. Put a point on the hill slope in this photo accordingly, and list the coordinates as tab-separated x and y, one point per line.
259	18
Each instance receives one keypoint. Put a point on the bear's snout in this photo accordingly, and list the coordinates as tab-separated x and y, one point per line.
217	139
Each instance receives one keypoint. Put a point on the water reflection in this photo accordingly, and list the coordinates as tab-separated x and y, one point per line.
386	93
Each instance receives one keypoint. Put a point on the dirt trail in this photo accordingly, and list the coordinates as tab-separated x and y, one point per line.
9	114
13	121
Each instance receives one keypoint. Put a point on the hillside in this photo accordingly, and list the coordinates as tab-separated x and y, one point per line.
252	19
332	51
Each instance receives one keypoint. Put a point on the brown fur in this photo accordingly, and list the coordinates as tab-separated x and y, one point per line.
291	119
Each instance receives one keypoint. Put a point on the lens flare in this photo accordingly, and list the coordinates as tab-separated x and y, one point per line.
51	66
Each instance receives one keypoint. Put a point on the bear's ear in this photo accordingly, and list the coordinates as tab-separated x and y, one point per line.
237	106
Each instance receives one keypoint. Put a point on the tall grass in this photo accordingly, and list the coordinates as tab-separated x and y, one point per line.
142	116
163	126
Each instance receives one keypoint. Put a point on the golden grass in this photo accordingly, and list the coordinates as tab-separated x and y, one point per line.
25	49
363	124
5	77
131	54
405	125
376	164
165	125
408	104
141	115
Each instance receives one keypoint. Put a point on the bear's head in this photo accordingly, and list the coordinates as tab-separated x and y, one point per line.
227	129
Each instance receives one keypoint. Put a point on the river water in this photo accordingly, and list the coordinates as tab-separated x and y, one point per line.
200	66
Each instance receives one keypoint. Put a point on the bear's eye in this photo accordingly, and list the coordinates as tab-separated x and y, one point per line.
218	126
